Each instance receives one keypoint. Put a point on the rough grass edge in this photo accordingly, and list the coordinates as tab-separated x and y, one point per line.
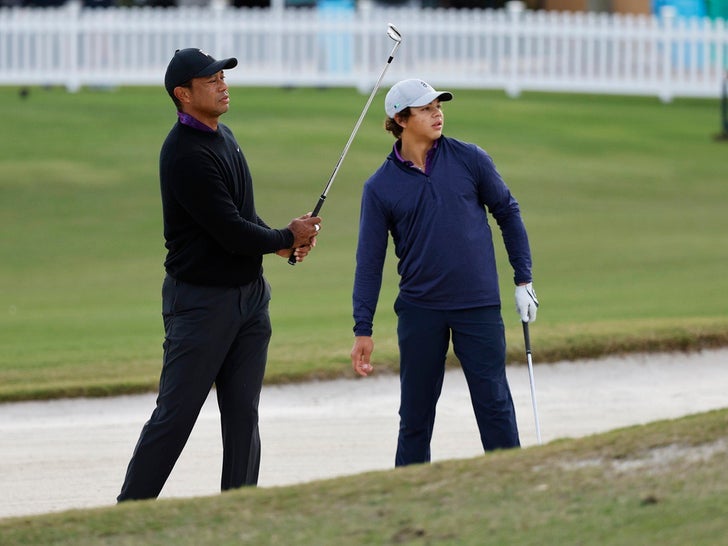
566	347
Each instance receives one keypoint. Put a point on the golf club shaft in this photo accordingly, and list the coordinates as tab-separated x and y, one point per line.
527	340
322	198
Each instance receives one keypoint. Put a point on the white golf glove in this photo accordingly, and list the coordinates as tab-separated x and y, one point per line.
526	302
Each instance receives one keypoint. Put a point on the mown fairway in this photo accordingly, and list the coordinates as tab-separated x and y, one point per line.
624	198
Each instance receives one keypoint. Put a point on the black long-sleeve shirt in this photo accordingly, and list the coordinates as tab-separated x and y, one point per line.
212	233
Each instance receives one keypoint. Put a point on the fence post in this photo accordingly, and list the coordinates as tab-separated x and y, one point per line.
724	108
668	14
364	17
515	9
220	39
73	79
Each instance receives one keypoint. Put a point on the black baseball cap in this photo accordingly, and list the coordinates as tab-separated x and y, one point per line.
192	63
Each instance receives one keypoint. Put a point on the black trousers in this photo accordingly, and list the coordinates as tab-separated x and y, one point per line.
213	336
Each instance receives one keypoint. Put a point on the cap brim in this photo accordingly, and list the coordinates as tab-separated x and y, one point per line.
214	68
429	97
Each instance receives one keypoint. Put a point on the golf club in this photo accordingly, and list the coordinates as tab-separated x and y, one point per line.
394	34
527	340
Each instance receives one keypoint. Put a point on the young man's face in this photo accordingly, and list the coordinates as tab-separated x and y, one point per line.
208	97
425	121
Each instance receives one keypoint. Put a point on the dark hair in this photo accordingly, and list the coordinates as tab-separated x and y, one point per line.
391	125
177	103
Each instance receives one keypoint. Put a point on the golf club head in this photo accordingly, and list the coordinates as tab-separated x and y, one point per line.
393	33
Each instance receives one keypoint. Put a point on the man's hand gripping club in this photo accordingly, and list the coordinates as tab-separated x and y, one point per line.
304	229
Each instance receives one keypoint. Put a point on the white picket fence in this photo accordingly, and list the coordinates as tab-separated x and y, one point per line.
512	49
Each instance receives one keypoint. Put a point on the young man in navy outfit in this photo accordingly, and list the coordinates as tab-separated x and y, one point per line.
214	295
432	194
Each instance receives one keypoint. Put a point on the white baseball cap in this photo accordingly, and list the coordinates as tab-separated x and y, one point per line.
412	92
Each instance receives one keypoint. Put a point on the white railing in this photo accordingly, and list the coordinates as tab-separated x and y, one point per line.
511	49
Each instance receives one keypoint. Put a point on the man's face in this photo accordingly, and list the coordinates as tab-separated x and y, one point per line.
208	97
425	121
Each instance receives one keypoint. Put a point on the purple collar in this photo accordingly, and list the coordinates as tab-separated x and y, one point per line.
428	158
188	120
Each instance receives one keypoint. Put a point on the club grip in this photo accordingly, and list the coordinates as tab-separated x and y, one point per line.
316	210
526	337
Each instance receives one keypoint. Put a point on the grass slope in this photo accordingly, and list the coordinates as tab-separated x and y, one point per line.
624	199
662	483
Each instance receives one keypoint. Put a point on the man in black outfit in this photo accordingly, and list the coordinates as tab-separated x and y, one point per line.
214	295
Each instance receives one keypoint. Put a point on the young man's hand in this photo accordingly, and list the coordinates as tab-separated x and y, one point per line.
361	355
526	302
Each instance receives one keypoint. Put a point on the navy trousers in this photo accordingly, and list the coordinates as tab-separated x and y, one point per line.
478	338
213	336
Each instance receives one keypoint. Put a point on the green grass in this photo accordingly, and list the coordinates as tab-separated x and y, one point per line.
663	483
624	200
